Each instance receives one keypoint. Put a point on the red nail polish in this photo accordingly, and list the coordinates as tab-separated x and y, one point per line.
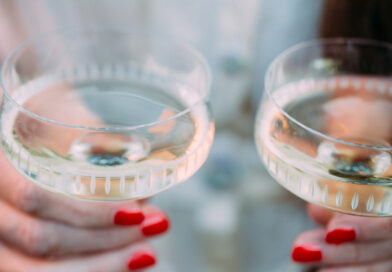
128	217
141	260
340	236
155	224
306	254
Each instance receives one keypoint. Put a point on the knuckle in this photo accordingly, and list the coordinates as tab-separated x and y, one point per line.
37	240
27	197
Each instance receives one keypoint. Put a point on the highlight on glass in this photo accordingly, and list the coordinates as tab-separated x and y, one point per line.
324	126
106	114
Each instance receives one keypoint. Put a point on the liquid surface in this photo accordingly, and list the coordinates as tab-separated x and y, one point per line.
348	177
142	137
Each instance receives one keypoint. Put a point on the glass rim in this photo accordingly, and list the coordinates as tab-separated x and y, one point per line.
148	34
321	42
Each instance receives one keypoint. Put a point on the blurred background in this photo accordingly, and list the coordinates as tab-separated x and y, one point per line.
230	216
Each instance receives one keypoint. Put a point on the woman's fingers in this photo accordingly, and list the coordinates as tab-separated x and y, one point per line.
131	258
45	238
310	247
342	228
28	197
319	215
346	228
385	266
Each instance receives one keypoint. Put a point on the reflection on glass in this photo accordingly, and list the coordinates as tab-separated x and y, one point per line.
106	121
324	128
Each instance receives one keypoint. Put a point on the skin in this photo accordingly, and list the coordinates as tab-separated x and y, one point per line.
49	232
14	261
42	231
372	248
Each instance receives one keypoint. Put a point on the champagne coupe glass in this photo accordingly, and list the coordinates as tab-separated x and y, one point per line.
324	126
105	113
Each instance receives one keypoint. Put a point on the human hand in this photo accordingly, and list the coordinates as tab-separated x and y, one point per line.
346	243
42	231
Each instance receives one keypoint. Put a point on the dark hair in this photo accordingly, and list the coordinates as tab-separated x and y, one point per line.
371	19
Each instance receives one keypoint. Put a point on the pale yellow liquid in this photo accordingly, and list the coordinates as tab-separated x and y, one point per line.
338	176
109	164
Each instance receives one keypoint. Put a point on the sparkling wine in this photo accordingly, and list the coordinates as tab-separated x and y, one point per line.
127	134
346	161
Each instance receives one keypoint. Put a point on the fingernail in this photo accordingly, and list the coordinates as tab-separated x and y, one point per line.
154	224
340	236
128	217
141	260
306	254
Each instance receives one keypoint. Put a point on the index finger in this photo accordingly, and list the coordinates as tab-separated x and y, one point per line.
310	247
345	228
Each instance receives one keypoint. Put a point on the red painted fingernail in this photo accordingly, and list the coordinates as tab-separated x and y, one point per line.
141	260
340	236
128	217
306	254
154	224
